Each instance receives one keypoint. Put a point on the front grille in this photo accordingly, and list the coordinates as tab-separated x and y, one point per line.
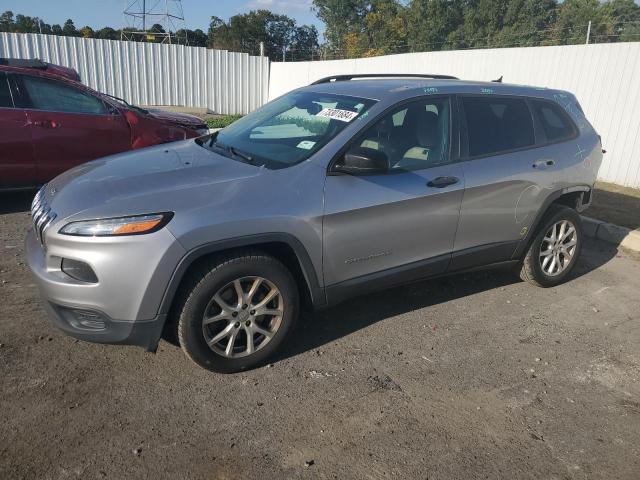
41	214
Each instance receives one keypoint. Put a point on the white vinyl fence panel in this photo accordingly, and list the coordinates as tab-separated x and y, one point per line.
604	77
153	74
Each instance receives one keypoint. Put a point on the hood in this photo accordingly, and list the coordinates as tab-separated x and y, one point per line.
162	178
174	117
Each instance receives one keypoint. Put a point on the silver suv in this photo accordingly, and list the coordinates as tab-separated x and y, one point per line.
342	187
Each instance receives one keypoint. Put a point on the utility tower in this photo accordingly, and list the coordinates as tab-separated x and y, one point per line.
141	16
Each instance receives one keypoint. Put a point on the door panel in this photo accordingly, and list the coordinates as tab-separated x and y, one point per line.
63	140
381	222
503	194
402	223
17	165
69	126
506	182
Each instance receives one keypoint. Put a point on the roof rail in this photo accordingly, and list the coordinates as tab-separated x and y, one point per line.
24	63
342	78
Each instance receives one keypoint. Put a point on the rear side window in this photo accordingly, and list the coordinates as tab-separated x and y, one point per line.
555	123
5	93
496	124
56	97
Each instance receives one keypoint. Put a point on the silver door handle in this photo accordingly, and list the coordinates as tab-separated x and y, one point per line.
441	182
543	164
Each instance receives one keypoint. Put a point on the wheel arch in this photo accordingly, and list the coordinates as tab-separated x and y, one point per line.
576	197
285	247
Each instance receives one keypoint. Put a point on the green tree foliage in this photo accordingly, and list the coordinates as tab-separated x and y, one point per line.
432	23
341	18
363	27
278	33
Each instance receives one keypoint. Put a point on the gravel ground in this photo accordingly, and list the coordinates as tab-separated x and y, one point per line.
473	376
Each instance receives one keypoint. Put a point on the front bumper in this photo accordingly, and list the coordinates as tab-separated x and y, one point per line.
123	306
145	333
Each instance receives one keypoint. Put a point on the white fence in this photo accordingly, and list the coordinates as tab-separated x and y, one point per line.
153	74
605	78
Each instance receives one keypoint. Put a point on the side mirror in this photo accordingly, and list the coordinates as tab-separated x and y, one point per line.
362	161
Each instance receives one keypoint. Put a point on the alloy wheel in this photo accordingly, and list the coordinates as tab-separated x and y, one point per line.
242	317
558	247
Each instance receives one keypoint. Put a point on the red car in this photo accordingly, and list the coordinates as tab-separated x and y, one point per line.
50	123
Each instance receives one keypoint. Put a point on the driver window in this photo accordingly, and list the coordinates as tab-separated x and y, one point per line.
413	137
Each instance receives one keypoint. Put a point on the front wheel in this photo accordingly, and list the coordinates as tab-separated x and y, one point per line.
555	249
237	312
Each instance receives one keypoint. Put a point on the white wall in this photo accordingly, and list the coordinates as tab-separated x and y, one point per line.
153	74
605	78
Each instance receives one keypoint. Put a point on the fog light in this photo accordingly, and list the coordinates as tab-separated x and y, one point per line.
89	320
79	270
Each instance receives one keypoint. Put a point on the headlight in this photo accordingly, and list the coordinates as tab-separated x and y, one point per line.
111	227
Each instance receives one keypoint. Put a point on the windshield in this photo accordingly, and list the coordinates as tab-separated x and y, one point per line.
288	130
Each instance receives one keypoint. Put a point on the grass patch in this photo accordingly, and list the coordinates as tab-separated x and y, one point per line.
222	121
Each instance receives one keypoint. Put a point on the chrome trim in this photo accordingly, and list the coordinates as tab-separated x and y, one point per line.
41	215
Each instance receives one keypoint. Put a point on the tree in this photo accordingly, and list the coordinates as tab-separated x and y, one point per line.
431	22
69	29
157	28
527	23
87	32
107	33
623	18
194	38
573	19
357	28
340	17
214	29
25	24
245	32
6	21
305	43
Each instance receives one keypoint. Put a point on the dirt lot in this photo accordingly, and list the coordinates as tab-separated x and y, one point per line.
475	376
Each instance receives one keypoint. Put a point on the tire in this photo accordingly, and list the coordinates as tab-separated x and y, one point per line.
532	269
212	315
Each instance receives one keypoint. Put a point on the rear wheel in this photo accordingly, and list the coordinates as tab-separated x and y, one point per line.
237	312
555	249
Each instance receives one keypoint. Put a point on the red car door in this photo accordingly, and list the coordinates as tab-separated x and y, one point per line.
69	126
17	165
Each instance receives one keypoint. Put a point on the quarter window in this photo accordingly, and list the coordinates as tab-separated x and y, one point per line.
5	93
56	97
413	137
554	121
497	124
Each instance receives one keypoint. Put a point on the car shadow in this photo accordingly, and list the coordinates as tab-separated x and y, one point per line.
16	202
323	327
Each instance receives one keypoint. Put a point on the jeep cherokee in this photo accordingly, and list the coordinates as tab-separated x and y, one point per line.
349	185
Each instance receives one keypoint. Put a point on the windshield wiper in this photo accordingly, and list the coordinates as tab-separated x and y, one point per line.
240	154
227	149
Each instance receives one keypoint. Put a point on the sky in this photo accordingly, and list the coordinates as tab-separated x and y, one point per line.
197	13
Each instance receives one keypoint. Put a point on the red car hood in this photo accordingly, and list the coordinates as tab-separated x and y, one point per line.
173	117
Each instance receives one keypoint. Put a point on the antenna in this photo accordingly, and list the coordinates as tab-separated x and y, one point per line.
141	16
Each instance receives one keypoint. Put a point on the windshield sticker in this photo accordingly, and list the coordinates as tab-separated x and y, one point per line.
337	114
306	144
